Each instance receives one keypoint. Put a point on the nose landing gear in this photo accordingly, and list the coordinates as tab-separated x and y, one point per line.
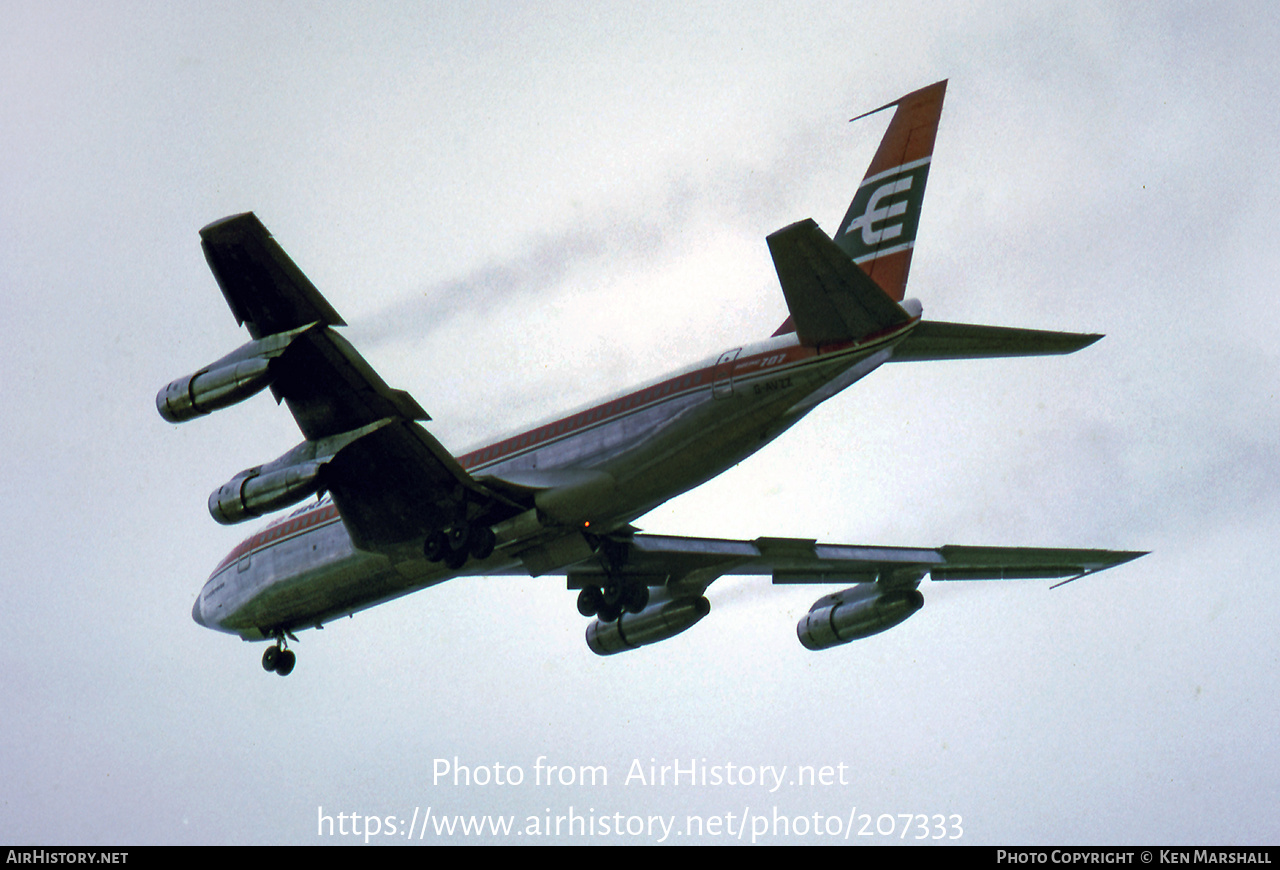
279	658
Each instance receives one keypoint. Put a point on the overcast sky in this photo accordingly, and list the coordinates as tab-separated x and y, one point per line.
520	207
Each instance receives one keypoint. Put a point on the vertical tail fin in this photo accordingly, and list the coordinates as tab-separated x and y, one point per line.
879	230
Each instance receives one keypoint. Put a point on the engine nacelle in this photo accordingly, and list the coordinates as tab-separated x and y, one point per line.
234	378
856	613
253	492
213	388
284	481
663	618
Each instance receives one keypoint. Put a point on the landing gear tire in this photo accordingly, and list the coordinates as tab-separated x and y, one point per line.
436	546
458	536
481	542
609	612
589	601
287	659
271	658
636	598
612	592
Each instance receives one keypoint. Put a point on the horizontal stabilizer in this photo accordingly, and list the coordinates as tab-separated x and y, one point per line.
831	299
937	340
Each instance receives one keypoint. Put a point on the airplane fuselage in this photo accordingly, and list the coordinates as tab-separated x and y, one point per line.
597	468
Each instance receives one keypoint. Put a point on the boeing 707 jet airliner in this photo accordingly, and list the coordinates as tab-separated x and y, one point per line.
397	512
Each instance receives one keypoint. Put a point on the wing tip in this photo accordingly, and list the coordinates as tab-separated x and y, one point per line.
230	222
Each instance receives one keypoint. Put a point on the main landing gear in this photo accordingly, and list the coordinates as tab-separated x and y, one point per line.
456	544
608	602
618	594
279	658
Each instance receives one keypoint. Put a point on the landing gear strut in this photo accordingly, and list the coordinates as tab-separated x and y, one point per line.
279	658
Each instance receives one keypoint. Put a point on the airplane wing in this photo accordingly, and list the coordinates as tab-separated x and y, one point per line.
391	480
687	566
881	582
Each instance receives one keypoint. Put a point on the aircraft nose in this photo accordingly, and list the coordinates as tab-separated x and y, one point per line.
195	614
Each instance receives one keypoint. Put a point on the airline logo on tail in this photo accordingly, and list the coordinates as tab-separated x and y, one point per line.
885	212
879	230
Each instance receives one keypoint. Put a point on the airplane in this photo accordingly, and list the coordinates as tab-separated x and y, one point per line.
396	512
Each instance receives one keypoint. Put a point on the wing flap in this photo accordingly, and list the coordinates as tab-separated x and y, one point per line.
330	388
395	484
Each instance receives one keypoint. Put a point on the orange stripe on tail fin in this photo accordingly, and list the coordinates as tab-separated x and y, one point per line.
879	230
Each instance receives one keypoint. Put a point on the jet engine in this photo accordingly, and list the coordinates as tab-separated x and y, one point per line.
284	481
210	389
254	492
855	613
234	378
664	617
